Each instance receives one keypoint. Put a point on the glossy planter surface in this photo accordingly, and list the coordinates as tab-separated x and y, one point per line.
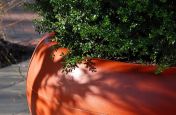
115	89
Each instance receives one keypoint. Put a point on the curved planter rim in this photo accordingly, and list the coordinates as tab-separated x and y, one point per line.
148	91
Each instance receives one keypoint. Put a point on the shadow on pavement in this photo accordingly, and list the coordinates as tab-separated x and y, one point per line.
11	53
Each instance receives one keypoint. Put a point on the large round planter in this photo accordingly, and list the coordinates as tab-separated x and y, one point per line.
115	89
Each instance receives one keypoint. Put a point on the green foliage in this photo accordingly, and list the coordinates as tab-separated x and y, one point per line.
132	30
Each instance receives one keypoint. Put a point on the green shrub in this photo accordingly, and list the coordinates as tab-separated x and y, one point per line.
141	31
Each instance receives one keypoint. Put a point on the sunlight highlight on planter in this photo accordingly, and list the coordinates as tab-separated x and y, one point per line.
115	89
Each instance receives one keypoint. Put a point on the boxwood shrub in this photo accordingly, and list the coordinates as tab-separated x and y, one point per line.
139	31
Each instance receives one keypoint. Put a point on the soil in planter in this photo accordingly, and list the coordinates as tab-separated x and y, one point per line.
11	53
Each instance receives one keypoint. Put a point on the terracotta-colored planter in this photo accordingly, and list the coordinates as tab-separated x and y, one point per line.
115	89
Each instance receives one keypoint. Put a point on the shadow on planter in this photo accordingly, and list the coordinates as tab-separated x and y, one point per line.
115	89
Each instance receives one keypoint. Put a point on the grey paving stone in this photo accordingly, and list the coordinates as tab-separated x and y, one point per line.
17	24
12	78
12	96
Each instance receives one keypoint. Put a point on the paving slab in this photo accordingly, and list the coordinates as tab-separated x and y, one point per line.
18	28
12	90
17	23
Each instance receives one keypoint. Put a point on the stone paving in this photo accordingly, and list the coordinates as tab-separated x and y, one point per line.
12	90
17	26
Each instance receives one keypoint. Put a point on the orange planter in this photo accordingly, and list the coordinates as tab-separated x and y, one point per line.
115	89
